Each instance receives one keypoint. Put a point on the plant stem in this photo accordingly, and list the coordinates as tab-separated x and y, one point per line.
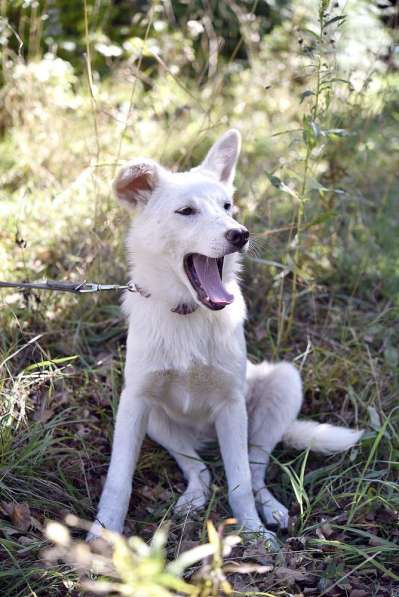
302	194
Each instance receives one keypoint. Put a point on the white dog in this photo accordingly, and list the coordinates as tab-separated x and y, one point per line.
187	378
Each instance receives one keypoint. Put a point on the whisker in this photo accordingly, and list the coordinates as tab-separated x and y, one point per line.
254	248
267	233
259	240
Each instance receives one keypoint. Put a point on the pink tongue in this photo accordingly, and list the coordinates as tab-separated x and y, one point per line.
208	274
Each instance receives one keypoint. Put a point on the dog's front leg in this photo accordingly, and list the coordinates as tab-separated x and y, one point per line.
232	431
130	428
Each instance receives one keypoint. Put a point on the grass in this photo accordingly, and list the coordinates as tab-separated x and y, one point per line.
321	291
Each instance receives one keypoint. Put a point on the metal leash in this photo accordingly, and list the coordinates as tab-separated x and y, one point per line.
77	288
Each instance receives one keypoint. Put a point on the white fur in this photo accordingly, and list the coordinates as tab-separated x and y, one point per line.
187	379
324	438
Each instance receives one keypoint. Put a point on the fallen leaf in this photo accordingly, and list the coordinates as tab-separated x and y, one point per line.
326	529
296	543
257	551
19	514
247	568
289	575
36	524
387	516
104	363
43	415
376	541
23	540
6	508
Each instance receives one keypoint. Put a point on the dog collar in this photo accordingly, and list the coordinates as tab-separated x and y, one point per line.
184	309
181	309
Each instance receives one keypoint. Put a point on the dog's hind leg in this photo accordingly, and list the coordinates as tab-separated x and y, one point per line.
273	402
182	446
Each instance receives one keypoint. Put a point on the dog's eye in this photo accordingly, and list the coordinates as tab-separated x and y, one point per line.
186	211
227	206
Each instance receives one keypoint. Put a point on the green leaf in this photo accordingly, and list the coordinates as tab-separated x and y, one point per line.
311	132
286	132
177	584
275	180
336	80
315	128
47	363
159	539
281	186
340	18
391	356
306	94
190	557
314	185
312	33
375	419
337	132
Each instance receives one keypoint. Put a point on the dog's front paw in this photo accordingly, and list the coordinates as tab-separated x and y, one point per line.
111	521
262	533
271	510
253	529
190	501
94	532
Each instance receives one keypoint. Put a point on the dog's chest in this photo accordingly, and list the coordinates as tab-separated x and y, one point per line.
193	396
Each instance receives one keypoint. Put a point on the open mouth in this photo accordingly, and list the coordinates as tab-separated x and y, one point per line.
205	276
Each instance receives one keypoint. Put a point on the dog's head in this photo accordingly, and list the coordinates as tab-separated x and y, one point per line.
185	219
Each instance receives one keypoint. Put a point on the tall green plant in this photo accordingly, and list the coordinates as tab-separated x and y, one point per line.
318	48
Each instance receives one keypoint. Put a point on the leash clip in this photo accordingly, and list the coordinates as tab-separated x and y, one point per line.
87	287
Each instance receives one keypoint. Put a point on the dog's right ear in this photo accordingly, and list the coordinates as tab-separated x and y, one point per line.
222	157
136	181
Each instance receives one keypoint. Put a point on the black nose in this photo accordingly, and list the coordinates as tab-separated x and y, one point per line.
237	236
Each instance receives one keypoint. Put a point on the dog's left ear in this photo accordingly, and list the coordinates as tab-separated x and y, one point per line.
136	181
222	157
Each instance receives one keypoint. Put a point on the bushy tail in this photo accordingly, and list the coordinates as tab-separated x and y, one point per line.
320	437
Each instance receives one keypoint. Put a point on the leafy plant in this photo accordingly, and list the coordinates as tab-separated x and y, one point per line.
318	48
134	568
